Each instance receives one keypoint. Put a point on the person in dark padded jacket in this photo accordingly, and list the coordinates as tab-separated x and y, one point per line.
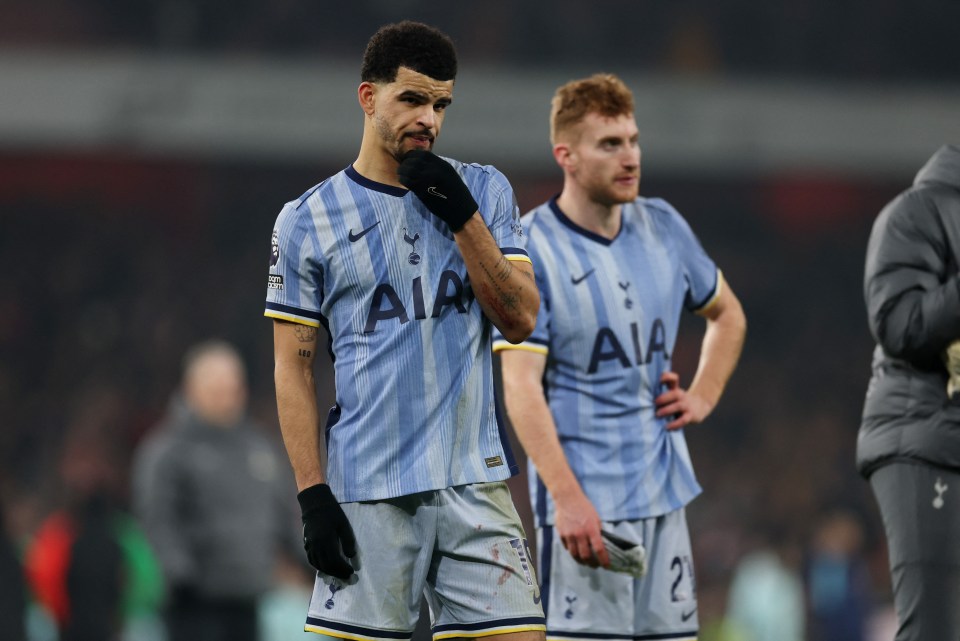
909	441
214	495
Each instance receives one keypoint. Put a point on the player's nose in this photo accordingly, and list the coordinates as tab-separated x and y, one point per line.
427	117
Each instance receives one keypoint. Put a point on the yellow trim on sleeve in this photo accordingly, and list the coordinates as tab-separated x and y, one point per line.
520	258
716	295
293	319
499	346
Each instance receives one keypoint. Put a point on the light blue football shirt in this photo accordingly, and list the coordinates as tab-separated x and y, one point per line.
608	320
412	351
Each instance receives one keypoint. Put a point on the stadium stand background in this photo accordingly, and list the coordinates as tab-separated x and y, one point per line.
145	149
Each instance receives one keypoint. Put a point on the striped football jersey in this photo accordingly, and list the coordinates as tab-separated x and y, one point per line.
411	347
608	321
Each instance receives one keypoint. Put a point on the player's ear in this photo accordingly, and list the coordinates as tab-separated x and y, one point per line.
562	154
366	95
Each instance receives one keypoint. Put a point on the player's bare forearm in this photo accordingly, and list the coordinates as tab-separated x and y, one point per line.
506	290
721	348
576	519
294	350
532	421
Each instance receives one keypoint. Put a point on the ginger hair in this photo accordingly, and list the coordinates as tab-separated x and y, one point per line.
603	94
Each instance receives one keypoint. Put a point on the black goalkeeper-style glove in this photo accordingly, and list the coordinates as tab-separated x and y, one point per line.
327	535
438	186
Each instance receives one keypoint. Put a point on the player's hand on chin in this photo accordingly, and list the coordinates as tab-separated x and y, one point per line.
683	407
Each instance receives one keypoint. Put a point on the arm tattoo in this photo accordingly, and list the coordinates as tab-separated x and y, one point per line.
502	305
305	333
504	268
501	300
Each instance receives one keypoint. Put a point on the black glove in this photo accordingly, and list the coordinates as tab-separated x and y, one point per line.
438	185
326	531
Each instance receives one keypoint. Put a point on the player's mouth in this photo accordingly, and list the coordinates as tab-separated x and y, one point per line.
627	181
421	140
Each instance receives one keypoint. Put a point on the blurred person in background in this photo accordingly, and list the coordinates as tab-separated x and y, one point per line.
766	600
837	580
95	579
88	563
909	440
281	610
13	586
592	394
406	259
212	493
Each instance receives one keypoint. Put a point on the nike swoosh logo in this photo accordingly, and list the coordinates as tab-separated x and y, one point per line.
433	192
355	237
686	615
536	599
577	281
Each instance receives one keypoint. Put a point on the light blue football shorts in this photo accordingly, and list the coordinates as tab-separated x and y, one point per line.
584	603
462	547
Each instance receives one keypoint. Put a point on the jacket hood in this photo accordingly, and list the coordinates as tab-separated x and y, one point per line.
943	167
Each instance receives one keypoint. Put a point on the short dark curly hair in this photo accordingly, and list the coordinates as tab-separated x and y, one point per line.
414	45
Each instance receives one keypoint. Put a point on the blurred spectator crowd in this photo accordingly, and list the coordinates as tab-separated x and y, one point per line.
870	40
